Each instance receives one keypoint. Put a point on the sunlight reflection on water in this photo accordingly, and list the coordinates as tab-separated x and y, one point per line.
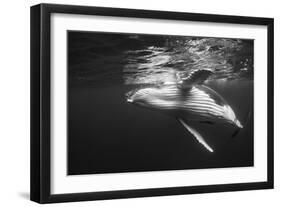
227	58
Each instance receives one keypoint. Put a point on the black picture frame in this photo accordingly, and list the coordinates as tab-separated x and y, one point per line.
41	96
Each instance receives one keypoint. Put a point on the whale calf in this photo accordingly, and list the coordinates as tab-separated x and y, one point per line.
188	100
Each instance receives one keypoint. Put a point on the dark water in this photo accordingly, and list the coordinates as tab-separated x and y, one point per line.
106	134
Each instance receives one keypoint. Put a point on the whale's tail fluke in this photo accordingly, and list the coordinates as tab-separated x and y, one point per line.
196	134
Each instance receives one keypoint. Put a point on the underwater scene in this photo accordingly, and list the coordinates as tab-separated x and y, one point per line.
139	102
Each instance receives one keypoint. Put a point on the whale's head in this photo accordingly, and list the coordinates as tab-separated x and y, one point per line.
138	97
130	96
230	117
163	98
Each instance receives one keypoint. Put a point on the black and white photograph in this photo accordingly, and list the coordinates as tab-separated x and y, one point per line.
140	103
152	102
129	103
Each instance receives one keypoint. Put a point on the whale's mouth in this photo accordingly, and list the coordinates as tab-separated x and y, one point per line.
129	100
128	96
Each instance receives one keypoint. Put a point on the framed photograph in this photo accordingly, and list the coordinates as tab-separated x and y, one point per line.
133	103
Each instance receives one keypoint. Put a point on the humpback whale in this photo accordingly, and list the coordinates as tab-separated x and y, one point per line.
188	100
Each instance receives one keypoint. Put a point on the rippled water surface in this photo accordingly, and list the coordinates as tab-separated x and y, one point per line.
106	134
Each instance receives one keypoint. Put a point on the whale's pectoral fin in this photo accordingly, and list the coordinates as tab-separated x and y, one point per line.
196	134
